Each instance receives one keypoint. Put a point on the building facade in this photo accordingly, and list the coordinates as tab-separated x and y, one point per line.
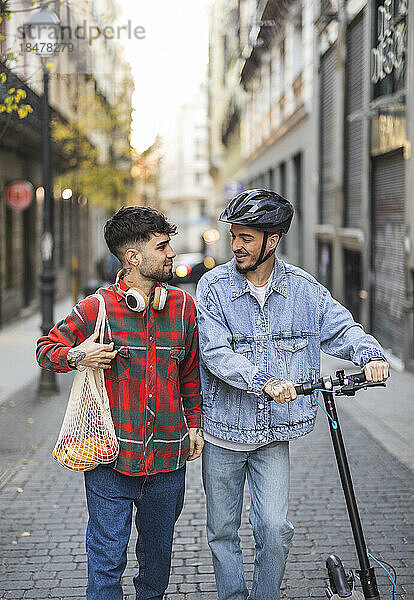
363	235
278	126
81	83
326	119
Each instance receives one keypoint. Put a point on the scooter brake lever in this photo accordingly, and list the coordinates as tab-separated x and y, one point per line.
352	388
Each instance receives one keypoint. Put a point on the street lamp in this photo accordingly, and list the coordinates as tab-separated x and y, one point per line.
67	194
43	30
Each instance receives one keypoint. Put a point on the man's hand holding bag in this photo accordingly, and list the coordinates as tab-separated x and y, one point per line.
87	436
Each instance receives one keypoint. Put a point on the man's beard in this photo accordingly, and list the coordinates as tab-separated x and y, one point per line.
245	268
242	270
155	273
165	276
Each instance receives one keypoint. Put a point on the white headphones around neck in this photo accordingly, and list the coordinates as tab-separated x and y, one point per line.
137	300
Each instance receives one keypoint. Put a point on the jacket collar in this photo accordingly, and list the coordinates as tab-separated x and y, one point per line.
239	285
123	286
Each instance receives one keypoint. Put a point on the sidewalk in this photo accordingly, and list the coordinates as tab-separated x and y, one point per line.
17	351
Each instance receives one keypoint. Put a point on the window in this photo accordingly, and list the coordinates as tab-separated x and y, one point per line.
271	178
270	81
297	199
352	282
3	40
297	57
282	69
282	191
199	148
225	57
62	210
325	264
8	258
412	309
282	178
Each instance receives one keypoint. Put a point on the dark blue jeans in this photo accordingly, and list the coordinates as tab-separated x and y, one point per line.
110	496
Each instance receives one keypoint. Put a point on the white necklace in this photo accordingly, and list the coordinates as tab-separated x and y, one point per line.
261	285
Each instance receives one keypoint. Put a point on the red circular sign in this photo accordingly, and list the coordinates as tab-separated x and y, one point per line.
19	195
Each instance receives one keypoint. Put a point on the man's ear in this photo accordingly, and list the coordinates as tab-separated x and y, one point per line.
273	240
133	257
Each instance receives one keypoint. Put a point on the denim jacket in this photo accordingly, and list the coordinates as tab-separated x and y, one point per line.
242	346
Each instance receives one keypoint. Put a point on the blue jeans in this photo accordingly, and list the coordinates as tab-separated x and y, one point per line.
224	474
110	496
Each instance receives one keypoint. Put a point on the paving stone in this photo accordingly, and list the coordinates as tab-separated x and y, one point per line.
37	594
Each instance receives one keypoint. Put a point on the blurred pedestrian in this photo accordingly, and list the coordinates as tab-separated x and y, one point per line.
150	357
112	267
262	324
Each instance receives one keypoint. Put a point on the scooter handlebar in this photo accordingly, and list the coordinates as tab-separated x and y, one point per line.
305	389
345	385
342	385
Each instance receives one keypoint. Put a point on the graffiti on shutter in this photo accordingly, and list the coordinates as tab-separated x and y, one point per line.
388	250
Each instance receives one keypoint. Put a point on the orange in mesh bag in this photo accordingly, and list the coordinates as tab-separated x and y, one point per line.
87	436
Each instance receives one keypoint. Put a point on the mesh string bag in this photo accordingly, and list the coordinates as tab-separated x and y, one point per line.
87	436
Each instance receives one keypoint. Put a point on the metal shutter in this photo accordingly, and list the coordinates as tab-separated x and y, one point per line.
327	133
388	251
355	73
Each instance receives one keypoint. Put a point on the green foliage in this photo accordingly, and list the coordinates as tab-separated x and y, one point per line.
11	101
99	170
103	185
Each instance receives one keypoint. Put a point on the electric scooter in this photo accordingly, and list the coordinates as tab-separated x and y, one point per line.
342	584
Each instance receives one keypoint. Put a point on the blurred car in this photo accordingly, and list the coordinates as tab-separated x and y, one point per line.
188	268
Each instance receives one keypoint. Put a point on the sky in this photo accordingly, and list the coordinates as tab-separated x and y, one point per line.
168	64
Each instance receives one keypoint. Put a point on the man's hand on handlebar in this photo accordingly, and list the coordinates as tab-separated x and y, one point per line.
376	370
280	391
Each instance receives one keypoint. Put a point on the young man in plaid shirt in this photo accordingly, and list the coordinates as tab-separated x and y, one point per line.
151	364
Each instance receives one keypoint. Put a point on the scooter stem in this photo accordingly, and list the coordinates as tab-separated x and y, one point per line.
366	572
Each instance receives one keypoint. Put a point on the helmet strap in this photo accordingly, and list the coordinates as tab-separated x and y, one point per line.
262	256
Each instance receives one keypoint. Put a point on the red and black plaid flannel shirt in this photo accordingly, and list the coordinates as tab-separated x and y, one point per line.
153	381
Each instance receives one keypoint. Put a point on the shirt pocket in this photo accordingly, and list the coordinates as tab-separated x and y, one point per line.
177	354
120	365
291	356
243	347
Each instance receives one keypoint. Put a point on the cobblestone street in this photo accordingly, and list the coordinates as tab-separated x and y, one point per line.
44	515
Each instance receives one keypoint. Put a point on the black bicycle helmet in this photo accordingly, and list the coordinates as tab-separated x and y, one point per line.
261	209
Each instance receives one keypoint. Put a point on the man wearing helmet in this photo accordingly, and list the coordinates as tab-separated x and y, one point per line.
262	324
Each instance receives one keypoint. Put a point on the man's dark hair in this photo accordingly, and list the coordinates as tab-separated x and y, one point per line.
133	225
